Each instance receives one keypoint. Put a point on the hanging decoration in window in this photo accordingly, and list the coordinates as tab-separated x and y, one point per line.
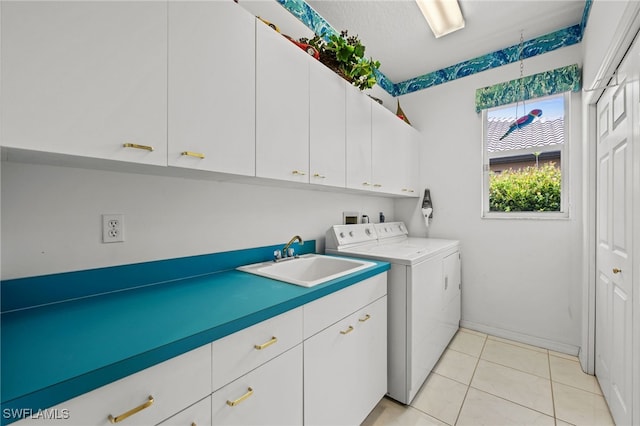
546	83
533	114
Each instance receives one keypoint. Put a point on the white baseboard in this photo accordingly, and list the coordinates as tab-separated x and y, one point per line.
522	338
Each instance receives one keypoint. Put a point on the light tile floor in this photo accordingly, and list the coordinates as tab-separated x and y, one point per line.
486	380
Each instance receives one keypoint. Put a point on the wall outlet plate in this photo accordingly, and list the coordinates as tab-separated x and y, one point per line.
112	228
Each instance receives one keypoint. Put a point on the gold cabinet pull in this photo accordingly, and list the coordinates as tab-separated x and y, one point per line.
377	185
407	190
298	172
366	318
131	412
242	398
318	175
273	340
616	270
192	154
366	184
136	146
347	331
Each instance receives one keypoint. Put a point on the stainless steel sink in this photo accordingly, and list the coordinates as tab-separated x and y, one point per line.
308	270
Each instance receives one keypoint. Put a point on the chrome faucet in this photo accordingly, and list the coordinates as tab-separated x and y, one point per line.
287	252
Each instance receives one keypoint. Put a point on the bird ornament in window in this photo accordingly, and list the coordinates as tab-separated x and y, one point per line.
523	121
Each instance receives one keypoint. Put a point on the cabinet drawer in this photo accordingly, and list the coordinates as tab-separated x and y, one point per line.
174	385
241	352
321	313
269	395
199	414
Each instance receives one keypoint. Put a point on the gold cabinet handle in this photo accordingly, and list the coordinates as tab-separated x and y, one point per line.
366	184
298	172
347	331
242	398
377	185
273	340
131	412
616	270
136	146
192	154
407	190
366	318
318	175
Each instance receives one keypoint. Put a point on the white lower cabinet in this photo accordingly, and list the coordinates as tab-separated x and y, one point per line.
322	363
268	395
345	368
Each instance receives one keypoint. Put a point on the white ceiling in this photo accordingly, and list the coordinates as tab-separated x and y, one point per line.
396	34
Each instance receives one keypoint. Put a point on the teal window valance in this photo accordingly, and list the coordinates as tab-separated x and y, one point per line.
546	83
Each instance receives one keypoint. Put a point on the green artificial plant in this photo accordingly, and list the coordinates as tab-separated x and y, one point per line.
345	55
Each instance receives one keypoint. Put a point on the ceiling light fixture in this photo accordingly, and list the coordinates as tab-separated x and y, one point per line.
443	16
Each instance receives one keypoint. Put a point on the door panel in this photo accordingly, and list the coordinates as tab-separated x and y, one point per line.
614	270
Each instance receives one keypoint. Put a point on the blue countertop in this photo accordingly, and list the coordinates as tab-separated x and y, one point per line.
57	351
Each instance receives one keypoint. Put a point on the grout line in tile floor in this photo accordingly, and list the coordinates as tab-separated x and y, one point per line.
512	383
470	380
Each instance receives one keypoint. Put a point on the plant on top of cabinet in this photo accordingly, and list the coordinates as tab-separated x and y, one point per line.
344	54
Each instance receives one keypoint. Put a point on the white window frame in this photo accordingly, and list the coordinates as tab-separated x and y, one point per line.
564	168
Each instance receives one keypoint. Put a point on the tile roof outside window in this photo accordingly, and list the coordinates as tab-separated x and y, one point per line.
540	133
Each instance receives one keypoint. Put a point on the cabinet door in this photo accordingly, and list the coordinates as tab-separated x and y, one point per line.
358	130
330	375
410	161
387	151
345	368
327	127
85	78
269	395
371	357
282	107
211	87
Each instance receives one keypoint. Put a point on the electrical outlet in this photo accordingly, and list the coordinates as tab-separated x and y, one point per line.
112	228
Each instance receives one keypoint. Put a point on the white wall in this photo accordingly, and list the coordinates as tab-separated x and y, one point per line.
51	217
521	278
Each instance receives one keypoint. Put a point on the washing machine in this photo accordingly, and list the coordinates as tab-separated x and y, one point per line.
423	296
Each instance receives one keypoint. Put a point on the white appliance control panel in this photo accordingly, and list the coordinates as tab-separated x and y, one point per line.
390	230
348	235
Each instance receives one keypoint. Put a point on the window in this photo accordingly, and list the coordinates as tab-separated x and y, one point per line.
524	165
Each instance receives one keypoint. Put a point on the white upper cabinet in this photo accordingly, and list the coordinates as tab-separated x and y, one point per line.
85	79
387	146
327	127
211	87
358	131
394	154
282	107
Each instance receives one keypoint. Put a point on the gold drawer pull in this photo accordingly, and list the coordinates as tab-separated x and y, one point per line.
407	190
273	340
193	154
616	270
376	185
298	172
242	398
366	184
366	318
136	146
131	412
347	331
318	175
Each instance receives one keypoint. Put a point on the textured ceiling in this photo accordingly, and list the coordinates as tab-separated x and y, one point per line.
397	35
